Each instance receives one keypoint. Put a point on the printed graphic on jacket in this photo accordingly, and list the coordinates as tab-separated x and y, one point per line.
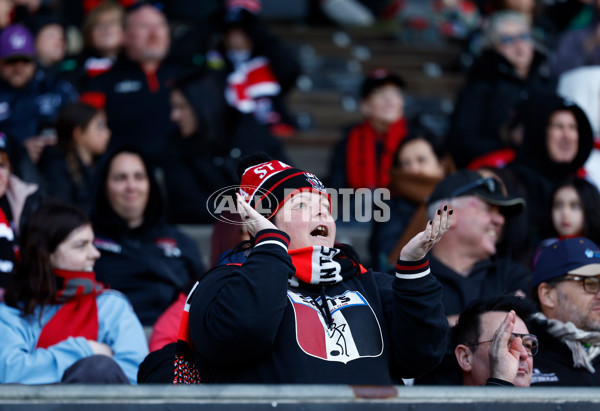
540	377
355	332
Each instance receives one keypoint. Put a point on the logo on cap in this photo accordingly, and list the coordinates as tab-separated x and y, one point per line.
315	182
17	40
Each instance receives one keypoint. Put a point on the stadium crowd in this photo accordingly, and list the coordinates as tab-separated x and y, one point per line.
120	121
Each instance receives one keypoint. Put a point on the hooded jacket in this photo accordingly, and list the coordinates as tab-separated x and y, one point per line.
150	264
205	162
484	105
536	173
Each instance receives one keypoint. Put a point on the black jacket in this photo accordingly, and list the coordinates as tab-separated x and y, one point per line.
24	112
495	276
484	104
137	105
553	364
60	182
150	264
205	162
533	172
249	326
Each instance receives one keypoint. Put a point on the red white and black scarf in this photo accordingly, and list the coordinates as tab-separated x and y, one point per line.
250	81
78	316
322	266
314	265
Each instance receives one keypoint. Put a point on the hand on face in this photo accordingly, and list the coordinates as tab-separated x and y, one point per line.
504	357
253	219
418	247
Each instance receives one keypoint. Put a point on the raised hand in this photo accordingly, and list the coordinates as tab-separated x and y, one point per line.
504	356
252	218
418	246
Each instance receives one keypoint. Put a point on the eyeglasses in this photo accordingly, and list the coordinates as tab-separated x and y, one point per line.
488	182
529	341
507	39
590	284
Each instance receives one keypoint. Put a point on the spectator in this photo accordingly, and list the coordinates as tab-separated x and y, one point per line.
419	165
102	32
508	70
501	323
228	232
148	260
201	156
68	167
557	140
17	200
136	87
364	157
574	212
58	322
543	30
465	260
29	99
288	311
582	86
565	286
261	70
50	42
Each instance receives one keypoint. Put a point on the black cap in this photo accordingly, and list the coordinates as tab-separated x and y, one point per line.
467	182
377	78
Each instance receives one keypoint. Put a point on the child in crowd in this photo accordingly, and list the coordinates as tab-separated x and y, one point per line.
574	212
83	137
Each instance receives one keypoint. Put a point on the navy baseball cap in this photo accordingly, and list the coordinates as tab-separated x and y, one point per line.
470	183
577	256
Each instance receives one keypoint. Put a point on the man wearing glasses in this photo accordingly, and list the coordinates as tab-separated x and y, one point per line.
465	261
492	343
566	286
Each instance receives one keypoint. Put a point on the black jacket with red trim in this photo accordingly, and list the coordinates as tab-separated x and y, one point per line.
248	325
137	104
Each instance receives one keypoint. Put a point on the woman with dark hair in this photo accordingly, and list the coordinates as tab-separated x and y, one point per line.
68	167
58	322
557	140
420	163
150	261
573	213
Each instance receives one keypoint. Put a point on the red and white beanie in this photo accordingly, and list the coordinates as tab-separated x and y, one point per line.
266	186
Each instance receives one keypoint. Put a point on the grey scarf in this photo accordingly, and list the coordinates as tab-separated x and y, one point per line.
575	339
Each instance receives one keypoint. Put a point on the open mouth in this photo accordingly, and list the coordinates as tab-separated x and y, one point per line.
320	231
